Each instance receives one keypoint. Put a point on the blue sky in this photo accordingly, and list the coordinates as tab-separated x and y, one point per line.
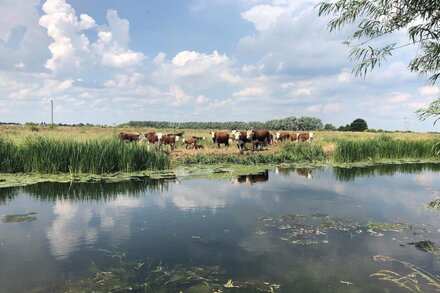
111	61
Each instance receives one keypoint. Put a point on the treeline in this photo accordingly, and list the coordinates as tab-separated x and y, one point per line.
290	123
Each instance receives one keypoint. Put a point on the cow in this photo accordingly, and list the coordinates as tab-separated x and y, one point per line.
258	137
282	136
129	136
220	137
191	142
307	136
241	139
293	136
153	137
170	140
179	134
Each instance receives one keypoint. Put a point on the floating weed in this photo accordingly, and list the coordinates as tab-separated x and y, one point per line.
386	227
415	279
315	228
434	205
19	218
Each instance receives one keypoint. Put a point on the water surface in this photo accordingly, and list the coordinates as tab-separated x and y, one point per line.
288	231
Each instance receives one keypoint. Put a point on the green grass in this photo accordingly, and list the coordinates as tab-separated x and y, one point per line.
384	147
290	153
51	156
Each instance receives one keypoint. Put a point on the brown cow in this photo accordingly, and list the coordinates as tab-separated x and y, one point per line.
220	137
170	140
129	136
153	137
258	138
282	136
190	142
293	136
307	136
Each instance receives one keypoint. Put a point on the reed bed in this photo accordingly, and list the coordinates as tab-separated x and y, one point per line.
384	147
51	156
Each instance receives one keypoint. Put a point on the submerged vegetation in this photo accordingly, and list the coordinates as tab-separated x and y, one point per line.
51	156
29	217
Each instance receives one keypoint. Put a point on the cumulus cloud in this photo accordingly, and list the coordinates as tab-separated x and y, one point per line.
429	90
195	67
71	48
249	92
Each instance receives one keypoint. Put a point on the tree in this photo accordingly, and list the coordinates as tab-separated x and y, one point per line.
358	125
330	127
376	19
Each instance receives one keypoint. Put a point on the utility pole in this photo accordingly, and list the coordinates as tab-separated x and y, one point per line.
406	123
51	111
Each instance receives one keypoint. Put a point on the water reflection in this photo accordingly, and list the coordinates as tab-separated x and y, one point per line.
252	178
52	191
303	172
288	231
349	174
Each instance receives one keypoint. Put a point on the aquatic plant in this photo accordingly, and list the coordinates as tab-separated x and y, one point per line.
384	147
416	280
29	217
44	155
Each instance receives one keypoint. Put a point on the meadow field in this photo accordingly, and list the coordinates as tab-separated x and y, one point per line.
97	150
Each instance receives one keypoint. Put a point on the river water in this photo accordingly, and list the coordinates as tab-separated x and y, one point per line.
320	230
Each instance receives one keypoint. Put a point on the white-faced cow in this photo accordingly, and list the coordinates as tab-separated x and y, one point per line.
220	137
307	136
153	137
129	136
241	138
259	138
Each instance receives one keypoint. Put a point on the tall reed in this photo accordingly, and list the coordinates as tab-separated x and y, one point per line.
383	147
50	156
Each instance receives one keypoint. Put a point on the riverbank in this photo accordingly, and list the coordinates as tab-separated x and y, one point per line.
212	171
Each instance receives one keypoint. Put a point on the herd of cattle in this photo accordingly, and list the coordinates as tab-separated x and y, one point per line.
258	139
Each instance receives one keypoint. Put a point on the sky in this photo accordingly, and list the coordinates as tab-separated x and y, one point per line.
112	61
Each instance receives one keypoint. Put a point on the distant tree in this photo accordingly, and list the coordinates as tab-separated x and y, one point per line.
358	125
330	127
376	19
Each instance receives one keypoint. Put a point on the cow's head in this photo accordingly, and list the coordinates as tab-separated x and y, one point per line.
177	138
213	136
237	136
233	132
159	135
249	134
277	135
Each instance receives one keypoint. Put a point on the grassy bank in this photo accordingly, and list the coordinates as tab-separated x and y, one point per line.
288	153
384	147
51	156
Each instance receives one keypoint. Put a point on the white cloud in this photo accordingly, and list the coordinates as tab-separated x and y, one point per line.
249	92
429	90
197	68
263	16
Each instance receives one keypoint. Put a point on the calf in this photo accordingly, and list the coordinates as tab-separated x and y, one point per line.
220	137
191	142
293	136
